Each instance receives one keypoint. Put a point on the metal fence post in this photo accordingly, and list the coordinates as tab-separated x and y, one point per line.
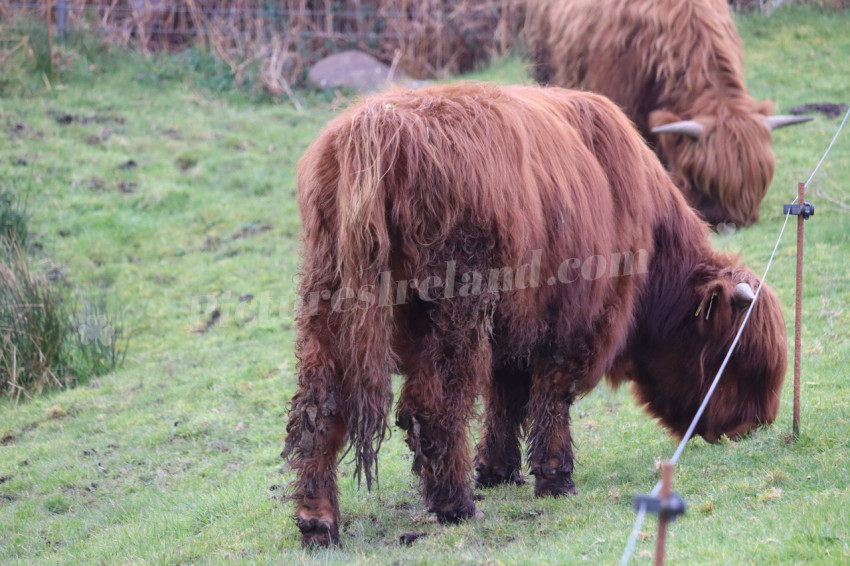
61	17
48	17
798	313
661	540
803	210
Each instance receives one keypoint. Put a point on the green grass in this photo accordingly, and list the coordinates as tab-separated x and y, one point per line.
174	459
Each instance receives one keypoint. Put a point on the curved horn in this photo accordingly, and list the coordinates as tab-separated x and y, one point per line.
744	294
780	121
689	128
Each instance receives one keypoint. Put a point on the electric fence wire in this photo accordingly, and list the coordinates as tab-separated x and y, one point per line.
630	545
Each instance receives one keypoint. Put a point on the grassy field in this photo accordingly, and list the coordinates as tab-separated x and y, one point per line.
177	199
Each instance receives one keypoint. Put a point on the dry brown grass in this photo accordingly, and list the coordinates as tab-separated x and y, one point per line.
428	37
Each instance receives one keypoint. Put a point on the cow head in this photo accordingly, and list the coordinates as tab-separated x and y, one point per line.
673	365
723	162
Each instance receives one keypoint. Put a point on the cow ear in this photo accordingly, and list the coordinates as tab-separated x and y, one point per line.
766	107
715	311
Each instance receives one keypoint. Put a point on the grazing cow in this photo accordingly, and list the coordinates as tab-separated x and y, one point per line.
676	68
518	240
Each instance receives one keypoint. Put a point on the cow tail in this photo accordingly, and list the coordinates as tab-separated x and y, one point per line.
367	161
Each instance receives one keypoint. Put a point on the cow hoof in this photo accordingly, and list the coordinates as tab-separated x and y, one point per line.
454	516
554	485
318	533
554	491
486	476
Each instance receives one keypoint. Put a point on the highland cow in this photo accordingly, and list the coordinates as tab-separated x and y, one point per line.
517	241
676	68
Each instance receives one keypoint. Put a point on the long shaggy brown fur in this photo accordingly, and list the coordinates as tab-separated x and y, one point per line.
663	61
411	201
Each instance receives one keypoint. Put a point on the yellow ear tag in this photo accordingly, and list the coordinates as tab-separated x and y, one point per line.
710	303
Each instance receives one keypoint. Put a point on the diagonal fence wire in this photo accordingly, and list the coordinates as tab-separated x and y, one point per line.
642	511
630	545
835	137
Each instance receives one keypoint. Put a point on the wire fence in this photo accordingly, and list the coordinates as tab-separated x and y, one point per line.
278	41
632	540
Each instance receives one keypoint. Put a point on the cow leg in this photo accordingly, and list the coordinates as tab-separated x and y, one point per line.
550	454
498	457
435	405
315	435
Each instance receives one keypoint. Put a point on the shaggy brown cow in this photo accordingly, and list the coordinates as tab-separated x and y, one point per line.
676	68
518	238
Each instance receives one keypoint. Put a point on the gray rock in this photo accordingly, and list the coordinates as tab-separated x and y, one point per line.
351	69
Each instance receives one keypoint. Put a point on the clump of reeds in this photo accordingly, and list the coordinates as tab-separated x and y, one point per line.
44	342
32	328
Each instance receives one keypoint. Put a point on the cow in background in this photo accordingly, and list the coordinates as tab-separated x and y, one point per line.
676	68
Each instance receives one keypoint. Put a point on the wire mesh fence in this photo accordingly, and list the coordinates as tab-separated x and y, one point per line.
768	6
426	38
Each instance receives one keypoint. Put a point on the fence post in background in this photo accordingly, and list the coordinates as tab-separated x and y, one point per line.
403	23
201	31
61	17
48	4
141	9
503	23
329	18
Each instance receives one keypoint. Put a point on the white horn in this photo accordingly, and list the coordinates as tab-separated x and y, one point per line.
780	121
744	294
685	127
